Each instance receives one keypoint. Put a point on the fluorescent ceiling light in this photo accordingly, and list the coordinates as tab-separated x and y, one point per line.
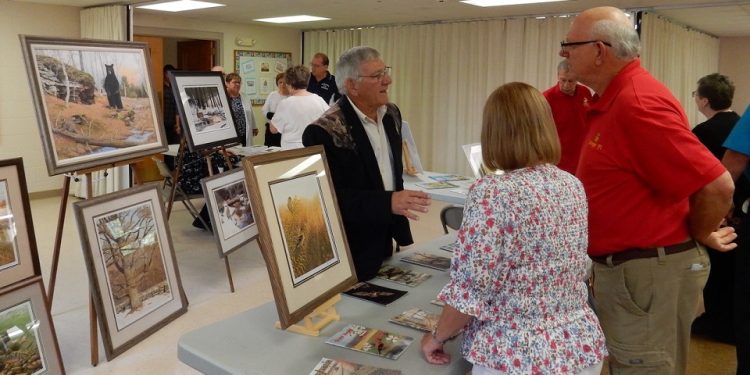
292	19
497	3
180	6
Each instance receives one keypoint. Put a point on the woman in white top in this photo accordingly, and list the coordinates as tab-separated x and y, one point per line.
269	109
301	108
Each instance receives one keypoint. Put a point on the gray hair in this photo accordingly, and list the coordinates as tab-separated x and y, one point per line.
563	66
348	65
623	37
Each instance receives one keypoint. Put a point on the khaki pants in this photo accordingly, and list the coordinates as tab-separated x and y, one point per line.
646	307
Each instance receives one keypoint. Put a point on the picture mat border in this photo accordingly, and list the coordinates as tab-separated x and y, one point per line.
221	138
211	183
116	343
47	337
27	265
293	305
92	161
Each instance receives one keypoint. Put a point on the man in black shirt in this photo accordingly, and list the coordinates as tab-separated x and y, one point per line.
322	82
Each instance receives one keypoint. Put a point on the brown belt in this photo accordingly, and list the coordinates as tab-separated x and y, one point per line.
640	253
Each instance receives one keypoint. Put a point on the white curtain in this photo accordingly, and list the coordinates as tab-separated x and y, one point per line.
110	23
678	56
443	73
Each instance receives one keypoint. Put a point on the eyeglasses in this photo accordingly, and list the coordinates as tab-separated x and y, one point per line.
564	44
314	65
379	75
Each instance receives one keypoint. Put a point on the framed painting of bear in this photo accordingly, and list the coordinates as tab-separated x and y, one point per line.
94	101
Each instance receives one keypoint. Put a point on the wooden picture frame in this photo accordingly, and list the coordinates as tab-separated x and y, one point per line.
130	260
231	213
26	323
258	70
94	101
202	101
301	232
19	259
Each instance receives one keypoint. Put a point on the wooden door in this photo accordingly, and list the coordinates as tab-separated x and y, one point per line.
196	54
146	170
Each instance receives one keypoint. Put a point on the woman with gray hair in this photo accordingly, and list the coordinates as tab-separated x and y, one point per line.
298	110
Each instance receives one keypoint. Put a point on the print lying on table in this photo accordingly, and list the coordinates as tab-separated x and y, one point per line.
371	341
328	366
449	177
305	227
436	185
428	260
401	275
374	293
417	318
450	247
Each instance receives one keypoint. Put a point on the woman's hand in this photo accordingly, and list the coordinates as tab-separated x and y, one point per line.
433	351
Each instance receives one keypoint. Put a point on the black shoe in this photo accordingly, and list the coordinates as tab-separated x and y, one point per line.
198	224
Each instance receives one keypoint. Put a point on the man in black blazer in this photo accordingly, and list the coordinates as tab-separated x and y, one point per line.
361	134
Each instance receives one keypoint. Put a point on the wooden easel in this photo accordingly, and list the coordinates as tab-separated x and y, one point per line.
322	316
93	329
177	174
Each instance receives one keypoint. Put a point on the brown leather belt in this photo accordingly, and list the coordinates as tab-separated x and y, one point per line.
640	253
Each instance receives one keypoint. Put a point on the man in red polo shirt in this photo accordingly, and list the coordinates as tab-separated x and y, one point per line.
652	189
568	101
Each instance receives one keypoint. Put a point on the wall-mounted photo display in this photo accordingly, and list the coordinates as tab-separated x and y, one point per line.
94	102
301	232
28	344
131	265
18	253
231	212
203	104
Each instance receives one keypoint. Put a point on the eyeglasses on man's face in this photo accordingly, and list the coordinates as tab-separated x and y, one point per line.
379	75
564	45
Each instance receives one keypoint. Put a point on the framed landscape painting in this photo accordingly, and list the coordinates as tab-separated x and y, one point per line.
301	233
18	252
231	212
131	265
94	102
204	109
28	344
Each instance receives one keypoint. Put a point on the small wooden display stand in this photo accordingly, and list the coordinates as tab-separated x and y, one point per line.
177	174
94	338
408	164
325	314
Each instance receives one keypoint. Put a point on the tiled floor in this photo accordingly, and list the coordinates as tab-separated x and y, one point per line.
205	283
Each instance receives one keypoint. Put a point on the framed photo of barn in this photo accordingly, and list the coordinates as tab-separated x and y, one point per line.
94	102
27	335
301	233
131	265
203	104
230	209
18	253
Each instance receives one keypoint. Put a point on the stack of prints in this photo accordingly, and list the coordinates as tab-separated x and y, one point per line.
328	366
405	276
371	341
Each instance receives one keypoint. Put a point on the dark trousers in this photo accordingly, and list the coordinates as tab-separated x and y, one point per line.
742	298
271	139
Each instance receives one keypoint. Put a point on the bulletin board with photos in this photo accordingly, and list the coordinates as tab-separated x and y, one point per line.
258	71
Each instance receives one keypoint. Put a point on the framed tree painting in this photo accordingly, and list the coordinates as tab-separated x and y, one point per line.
301	233
94	102
230	210
18	252
203	104
131	265
28	340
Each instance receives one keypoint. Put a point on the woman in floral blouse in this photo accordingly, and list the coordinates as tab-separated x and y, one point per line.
516	275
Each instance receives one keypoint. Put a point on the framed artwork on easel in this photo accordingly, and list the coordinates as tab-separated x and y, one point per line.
94	102
18	252
203	104
301	233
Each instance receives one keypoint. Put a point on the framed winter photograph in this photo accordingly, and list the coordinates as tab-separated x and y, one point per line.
131	265
230	210
94	102
203	105
301	232
28	342
18	253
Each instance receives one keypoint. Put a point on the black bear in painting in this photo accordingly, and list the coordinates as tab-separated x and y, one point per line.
112	87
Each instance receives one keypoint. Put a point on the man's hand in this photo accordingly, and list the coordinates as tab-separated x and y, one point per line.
405	201
721	239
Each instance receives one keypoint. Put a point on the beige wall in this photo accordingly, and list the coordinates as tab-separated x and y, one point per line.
733	55
19	134
277	39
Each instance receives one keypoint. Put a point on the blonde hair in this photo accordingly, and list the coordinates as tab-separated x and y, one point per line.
517	129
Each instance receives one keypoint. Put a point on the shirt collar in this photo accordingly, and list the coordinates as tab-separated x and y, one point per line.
603	102
362	117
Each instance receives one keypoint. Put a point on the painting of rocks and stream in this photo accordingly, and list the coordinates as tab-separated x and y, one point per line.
96	103
19	341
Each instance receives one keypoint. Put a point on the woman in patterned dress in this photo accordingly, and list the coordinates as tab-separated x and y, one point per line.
516	274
